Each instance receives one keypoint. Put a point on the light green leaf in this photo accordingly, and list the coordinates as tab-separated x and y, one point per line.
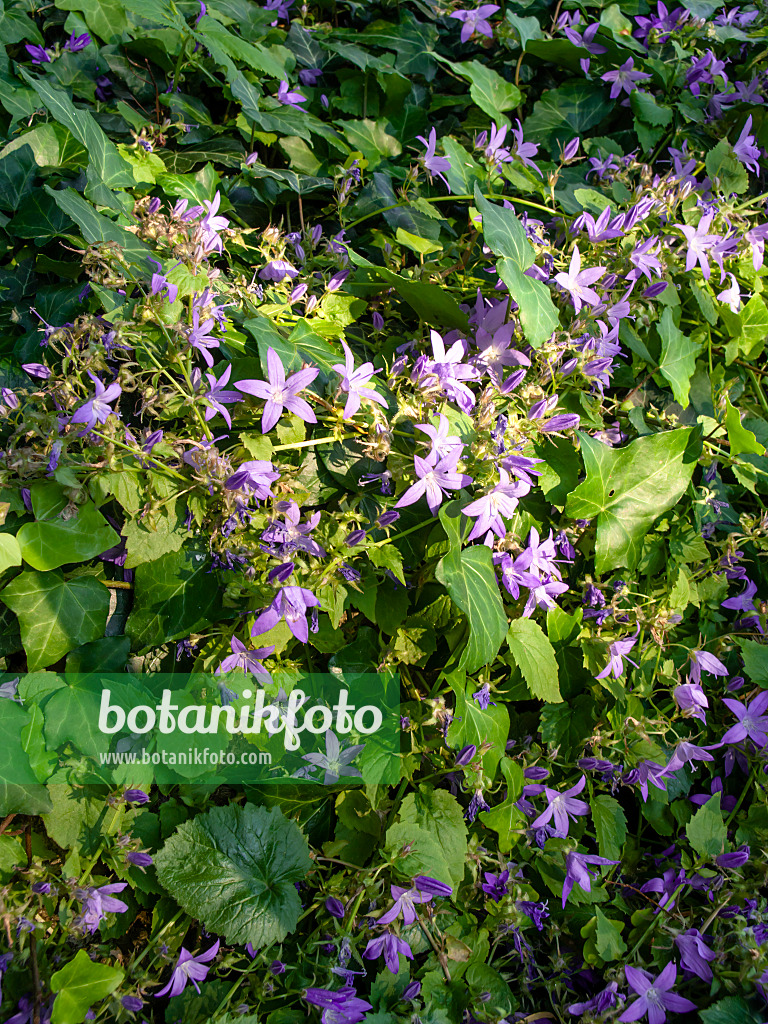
234	869
725	168
20	792
80	984
470	724
535	657
626	489
431	825
610	826
706	830
54	542
755	657
469	578
492	93
10	552
506	819
372	139
56	615
749	327
465	171
678	357
741	439
608	940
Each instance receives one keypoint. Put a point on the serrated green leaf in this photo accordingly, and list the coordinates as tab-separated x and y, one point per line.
431	825
610	826
678	357
535	657
706	830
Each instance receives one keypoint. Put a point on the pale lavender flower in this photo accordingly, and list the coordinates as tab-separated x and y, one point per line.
703	661
695	954
211	225
97	903
624	77
699	241
335	762
731	295
685	753
752	721
655	995
97	409
691	700
276	270
577	871
436	479
248	661
746	150
279	393
353	383
475	21
618	651
435	165
577	282
288	98
255	477
443	443
341	1007
501	501
217	395
199	338
189	968
404	905
524	150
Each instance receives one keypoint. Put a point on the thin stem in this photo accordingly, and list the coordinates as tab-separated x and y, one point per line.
449	199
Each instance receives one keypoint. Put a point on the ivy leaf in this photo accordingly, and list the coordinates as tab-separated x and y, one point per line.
706	830
470	580
10	552
505	236
55	542
562	113
56	615
610	826
535	657
678	357
80	984
234	869
741	439
626	489
20	792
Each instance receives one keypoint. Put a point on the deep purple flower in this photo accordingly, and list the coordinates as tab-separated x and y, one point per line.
537	912
432	886
76	43
411	991
38	54
189	968
291	604
577	871
279	393
686	753
465	756
703	661
341	1007
524	150
135	796
248	661
309	76
745	149
405	901
655	995
735	859
132	1003
604	1000
495	885
138	859
288	98
695	954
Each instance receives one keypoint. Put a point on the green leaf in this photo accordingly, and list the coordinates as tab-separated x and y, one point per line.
563	113
749	327
20	792
731	1010
145	545
469	577
492	93
257	57
80	984
678	357
608	940
387	556
560	468
465	171
234	869
610	826
431	825
725	168
626	489
741	439
54	542
105	18
18	170
470	724
645	107
371	139
97	228
535	657
706	830
10	552
72	715
505	236
56	615
505	818
755	657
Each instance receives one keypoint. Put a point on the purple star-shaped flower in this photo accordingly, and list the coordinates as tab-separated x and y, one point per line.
561	806
436	479
279	393
290	99
291	604
577	871
624	78
475	21
699	241
248	661
390	945
501	501
199	338
752	722
434	164
217	395
695	954
97	409
618	651
655	995
353	383
189	968
404	905
577	282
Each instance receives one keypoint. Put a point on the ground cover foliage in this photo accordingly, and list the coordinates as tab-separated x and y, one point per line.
388	338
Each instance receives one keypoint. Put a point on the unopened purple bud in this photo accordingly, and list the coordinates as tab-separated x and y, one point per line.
571	150
335	907
277	967
655	289
378	322
316	234
154	438
337	280
387	518
568	366
132	1003
737	859
26	497
251	159
324	101
536	772
281	573
36	370
481	140
311	303
42	888
465	755
542	407
512	381
298	292
411	991
432	886
154	205
735	684
9	398
565	421
135	796
140	860
354	537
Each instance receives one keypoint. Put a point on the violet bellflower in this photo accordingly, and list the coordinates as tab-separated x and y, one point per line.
618	651
745	149
199	338
404	905
501	501
577	282
291	604
704	661
353	383
695	954
624	78
211	225
97	903
189	968
341	1007
655	995
523	150
436	479
277	270
291	534
443	442
279	393
255	477
691	700
475	21
699	241
390	945
335	762
435	165
577	871
97	409
752	721
248	661
290	99
561	807
218	396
